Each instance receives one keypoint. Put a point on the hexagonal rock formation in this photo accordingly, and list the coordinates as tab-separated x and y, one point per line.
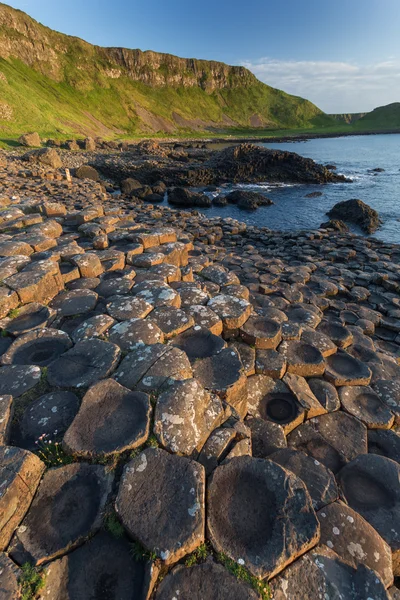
325	393
67	509
344	369
384	442
334	439
233	312
354	540
18	379
76	302
205	581
128	334
260	515
111	419
364	404
263	333
198	343
84	364
266	437
319	481
9	579
150	367
320	574
301	390
161	503
302	359
20	473
128	307
185	415
370	485
50	414
101	568
39	347
29	317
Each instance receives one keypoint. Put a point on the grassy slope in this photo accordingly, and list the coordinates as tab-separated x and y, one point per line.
384	117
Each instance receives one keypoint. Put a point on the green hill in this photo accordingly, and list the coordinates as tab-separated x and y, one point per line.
60	86
381	118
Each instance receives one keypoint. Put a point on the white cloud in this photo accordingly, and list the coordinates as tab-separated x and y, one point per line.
336	87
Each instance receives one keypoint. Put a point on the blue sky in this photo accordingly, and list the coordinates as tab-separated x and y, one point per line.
344	55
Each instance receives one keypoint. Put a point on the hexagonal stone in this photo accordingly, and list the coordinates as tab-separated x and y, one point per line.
389	392
114	286
326	576
18	379
207	580
151	367
273	401
185	415
270	363
89	264
198	343
129	334
334	439
95	326
174	525
218	274
75	302
354	540
301	390
233	312
247	356
192	294
84	364
31	316
370	486
216	448
325	393
319	481
172	321
343	369
20	473
223	374
157	294
362	402
266	437
385	443
302	359
261	332
205	318
66	510
303	316
111	419
320	341
339	334
104	566
50	415
271	520
39	347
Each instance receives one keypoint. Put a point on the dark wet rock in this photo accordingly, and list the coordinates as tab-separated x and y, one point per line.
6	415
302	359
49	416
39	347
357	212
20	473
66	510
362	402
128	334
321	574
175	524
385	443
319	481
104	566
271	520
247	199
315	194
335	224
266	437
199	343
75	302
111	419
85	363
18	379
30	316
185	415
87	172
207	580
345	532
370	485
261	332
325	393
344	369
149	368
333	439
186	198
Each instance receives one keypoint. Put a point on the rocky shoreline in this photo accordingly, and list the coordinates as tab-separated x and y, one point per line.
191	407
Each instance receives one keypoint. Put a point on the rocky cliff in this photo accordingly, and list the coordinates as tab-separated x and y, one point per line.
81	88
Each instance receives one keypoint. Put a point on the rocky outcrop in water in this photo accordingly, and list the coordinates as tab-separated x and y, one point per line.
356	212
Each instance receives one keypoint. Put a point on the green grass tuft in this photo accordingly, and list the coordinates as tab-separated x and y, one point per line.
113	526
197	556
31	582
141	554
241	573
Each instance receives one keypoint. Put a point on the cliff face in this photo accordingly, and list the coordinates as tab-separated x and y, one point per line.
348	118
56	83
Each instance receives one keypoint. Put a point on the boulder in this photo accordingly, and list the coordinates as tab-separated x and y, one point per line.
31	140
47	157
335	224
129	185
248	199
87	172
186	198
356	212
